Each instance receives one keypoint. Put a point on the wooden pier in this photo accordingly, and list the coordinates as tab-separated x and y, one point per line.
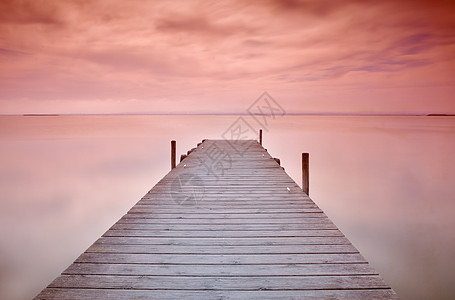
226	223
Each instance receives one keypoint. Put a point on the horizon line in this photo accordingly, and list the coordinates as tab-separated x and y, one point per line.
235	114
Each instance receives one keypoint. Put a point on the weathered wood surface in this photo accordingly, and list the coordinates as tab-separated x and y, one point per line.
232	228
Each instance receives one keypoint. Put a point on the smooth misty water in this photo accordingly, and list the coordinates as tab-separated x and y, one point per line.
387	182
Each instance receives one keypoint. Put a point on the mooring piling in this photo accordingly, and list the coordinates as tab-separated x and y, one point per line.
173	150
306	173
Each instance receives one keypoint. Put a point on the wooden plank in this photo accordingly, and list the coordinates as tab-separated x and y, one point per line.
223	233
227	241
234	180
220	270
233	191
177	216
252	283
223	205
204	206
317	258
225	198
121	294
211	249
271	203
225	221
190	210
221	227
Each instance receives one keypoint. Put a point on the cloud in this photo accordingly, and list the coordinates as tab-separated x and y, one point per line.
26	12
164	49
8	52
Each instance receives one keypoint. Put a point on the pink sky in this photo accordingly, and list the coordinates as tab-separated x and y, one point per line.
219	56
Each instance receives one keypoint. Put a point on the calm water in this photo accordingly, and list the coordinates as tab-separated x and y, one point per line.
387	182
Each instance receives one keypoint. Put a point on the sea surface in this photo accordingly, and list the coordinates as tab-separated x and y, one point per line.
387	182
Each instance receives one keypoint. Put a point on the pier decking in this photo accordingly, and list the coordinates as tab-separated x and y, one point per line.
226	223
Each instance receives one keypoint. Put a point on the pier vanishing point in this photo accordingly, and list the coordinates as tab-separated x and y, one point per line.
226	223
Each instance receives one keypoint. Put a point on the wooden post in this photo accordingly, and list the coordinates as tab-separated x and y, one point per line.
260	136
306	173
173	154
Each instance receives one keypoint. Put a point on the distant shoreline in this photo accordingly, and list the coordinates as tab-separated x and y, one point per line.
41	115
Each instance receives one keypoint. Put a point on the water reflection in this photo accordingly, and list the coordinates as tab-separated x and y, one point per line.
387	182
